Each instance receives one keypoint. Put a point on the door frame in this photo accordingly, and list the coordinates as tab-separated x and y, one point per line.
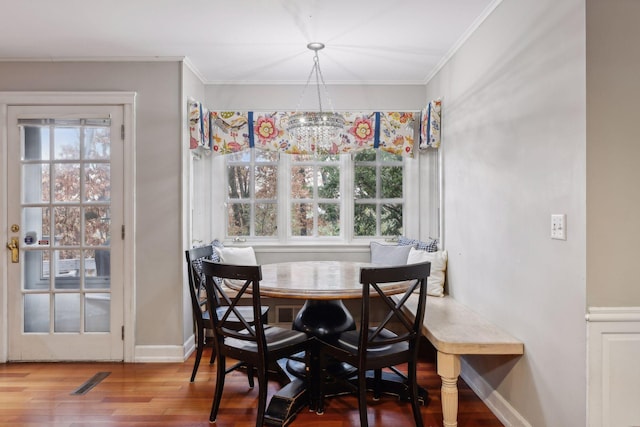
127	101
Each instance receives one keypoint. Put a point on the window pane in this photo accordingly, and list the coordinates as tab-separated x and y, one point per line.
302	219
97	182
266	220
329	182
67	182
391	180
301	182
366	156
391	220
266	156
385	156
239	178
364	220
266	182
328	219
365	182
239	219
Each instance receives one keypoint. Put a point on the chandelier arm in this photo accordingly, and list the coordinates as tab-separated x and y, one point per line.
324	85
304	89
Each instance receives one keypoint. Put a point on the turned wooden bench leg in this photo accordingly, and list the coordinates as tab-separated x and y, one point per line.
449	370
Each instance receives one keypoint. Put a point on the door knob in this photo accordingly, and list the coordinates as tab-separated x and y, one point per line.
14	247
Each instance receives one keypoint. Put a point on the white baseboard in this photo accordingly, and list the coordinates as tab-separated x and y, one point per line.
165	353
490	397
613	352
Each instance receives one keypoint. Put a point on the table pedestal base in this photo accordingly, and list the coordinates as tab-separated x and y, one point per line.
325	320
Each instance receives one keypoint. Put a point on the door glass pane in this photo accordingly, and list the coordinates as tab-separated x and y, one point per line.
35	223
67	268
66	313
36	143
97	182
97	143
97	312
66	143
67	182
36	313
97	225
35	271
36	183
67	225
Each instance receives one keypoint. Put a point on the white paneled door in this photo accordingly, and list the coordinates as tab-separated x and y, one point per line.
65	219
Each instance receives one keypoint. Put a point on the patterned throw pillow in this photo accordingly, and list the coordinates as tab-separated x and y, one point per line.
429	246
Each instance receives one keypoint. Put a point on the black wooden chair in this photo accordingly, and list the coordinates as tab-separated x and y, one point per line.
201	317
257	345
379	347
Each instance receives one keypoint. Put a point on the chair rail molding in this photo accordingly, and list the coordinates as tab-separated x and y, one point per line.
613	351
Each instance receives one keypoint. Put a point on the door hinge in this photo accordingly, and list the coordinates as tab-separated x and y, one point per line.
122	332
122	132
122	232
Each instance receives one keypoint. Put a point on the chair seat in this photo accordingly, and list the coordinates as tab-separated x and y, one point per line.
275	336
348	341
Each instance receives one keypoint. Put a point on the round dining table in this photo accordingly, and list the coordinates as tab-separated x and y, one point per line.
323	285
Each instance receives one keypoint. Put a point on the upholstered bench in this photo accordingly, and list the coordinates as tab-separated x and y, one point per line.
456	330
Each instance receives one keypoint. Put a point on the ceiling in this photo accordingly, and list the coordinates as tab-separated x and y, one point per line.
248	41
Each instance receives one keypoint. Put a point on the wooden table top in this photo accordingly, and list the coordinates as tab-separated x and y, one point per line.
318	280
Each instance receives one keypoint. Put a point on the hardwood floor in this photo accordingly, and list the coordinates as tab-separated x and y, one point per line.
41	394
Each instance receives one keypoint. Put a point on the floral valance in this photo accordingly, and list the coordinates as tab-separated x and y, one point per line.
225	132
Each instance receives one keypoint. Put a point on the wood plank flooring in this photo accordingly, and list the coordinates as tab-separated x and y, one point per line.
159	394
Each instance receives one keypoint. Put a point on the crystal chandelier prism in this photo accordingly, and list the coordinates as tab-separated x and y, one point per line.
318	131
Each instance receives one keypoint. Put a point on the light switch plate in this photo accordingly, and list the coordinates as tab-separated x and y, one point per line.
559	226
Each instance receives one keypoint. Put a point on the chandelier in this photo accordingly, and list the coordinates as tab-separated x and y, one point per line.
318	131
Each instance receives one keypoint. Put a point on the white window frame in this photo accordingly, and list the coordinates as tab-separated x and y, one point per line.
411	202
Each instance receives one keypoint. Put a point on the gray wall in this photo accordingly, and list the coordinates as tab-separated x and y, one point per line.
158	194
613	152
514	153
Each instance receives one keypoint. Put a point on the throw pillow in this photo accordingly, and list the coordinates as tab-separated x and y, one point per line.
438	259
430	245
389	254
237	256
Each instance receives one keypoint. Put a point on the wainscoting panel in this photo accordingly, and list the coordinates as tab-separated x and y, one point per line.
613	364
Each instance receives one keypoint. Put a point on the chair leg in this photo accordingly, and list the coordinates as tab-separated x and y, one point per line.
219	386
377	380
199	349
413	394
250	370
362	397
262	393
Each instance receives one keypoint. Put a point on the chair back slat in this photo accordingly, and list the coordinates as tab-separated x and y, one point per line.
226	317
405	328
